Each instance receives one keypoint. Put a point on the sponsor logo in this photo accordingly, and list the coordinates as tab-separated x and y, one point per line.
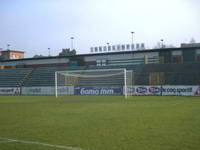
197	91
141	90
12	91
178	90
154	90
85	91
118	90
130	89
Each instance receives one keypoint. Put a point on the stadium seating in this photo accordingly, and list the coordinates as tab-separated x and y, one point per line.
98	81
45	76
13	77
174	74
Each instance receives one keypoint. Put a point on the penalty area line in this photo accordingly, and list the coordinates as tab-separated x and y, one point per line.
6	140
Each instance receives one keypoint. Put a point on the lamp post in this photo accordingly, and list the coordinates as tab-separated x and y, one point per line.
132	40
108	46
49	51
72	38
8	46
162	46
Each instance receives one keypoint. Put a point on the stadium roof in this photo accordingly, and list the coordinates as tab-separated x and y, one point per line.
97	54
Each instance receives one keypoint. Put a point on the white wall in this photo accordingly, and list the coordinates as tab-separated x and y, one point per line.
35	61
149	54
109	57
121	56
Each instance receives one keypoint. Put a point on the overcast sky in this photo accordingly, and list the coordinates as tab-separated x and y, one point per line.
36	25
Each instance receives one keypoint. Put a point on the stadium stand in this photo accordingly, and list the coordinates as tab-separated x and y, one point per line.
14	77
172	74
45	76
97	81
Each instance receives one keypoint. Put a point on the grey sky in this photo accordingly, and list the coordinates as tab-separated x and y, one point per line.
35	25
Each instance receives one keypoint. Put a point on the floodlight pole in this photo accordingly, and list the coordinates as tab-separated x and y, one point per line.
56	85
49	51
108	46
132	40
72	44
162	46
8	46
125	84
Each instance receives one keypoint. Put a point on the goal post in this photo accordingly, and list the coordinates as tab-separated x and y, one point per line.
94	82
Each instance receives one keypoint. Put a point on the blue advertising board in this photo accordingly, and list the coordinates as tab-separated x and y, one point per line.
98	90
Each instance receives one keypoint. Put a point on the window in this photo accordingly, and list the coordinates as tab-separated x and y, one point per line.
96	49
132	46
100	49
176	53
198	55
91	49
105	48
128	47
142	46
198	58
101	62
113	47
118	47
137	46
109	48
123	47
177	57
98	62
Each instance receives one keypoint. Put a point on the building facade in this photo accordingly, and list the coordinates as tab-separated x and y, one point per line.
12	54
162	56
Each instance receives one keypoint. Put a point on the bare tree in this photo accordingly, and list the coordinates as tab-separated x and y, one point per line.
67	52
192	40
38	56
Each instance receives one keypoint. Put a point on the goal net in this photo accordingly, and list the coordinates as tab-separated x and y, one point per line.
94	82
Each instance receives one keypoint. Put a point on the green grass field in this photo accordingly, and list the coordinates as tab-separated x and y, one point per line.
99	123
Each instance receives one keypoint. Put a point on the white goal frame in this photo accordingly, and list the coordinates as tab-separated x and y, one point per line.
93	70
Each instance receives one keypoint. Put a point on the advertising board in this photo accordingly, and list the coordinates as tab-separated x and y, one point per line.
62	90
10	91
164	90
98	90
180	90
144	90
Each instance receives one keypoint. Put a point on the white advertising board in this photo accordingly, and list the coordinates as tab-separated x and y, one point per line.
62	90
164	90
181	90
10	91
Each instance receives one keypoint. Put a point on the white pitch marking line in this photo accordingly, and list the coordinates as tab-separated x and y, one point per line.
43	144
178	103
5	141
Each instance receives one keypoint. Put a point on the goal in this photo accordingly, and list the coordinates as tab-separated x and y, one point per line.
94	82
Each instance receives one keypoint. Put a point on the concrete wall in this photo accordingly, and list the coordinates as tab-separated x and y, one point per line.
109	57
35	61
148	54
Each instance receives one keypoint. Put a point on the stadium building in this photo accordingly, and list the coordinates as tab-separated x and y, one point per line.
165	66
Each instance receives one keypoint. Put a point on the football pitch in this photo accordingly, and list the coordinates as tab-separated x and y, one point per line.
99	123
